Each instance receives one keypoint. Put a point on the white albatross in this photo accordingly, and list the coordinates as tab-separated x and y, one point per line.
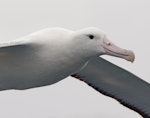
50	55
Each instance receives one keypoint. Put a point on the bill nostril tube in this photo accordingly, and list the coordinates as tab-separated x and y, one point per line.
108	43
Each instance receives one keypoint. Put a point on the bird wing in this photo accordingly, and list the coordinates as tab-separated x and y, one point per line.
13	51
117	83
12	56
11	48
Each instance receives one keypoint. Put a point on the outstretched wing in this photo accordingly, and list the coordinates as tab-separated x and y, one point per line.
14	50
13	47
117	83
12	56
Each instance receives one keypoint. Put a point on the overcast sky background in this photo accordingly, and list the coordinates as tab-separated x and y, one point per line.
127	23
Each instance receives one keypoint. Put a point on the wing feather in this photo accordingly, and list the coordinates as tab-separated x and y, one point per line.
117	83
13	55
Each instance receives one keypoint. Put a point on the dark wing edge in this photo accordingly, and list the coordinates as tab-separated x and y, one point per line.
115	82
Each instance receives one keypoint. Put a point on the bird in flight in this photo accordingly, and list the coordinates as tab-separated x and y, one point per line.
50	55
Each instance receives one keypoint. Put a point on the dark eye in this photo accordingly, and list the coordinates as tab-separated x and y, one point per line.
91	36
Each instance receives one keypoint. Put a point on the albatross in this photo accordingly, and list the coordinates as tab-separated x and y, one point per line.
50	55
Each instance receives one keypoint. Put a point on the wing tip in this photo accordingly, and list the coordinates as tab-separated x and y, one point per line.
121	101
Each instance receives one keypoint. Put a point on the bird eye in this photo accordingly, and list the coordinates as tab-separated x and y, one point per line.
91	36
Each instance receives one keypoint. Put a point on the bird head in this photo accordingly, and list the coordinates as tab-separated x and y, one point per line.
92	42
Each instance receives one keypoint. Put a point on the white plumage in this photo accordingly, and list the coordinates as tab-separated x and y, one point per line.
44	57
50	55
